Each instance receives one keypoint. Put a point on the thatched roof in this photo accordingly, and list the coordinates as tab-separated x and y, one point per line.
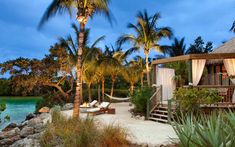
227	47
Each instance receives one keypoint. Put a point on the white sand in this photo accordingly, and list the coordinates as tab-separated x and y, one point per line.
142	132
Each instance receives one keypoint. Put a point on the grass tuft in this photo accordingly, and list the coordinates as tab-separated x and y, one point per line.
82	133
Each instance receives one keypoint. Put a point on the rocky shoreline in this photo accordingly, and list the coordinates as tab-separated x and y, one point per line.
26	133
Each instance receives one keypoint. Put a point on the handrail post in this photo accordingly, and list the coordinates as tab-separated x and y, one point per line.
169	110
147	108
161	94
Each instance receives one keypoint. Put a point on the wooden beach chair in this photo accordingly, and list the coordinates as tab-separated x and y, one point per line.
102	108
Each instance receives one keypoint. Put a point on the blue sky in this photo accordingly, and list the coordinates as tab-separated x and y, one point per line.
188	18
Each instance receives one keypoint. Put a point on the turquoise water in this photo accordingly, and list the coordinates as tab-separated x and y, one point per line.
17	108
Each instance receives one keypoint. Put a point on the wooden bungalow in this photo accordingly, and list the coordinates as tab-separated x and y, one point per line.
215	70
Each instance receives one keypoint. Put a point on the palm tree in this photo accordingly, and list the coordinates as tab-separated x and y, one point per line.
84	9
131	73
177	48
147	36
115	58
233	27
89	75
73	48
140	63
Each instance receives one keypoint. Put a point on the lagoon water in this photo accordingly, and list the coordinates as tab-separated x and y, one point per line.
17	108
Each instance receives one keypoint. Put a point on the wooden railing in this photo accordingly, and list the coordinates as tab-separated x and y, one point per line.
154	100
226	91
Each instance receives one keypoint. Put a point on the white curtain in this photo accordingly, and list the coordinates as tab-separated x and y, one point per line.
230	67
197	70
165	77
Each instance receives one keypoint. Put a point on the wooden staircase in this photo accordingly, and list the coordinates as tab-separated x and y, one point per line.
160	114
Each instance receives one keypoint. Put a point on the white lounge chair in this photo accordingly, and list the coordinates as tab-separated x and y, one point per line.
102	108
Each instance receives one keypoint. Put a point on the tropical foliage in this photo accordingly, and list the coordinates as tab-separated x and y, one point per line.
233	27
140	99
198	46
84	10
5	118
215	130
147	36
189	99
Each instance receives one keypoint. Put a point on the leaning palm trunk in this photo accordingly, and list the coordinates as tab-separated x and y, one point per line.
147	67
76	109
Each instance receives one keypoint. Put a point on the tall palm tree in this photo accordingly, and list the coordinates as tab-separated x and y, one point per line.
84	9
177	48
147	35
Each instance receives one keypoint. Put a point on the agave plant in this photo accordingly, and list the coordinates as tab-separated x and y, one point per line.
217	130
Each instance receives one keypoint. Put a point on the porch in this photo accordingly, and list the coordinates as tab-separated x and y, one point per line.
201	73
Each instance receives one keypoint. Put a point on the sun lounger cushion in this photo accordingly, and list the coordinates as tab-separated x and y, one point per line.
93	110
93	103
104	105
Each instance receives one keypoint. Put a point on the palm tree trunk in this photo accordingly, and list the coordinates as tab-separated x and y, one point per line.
76	109
147	67
132	88
89	91
112	89
142	79
102	89
81	97
99	92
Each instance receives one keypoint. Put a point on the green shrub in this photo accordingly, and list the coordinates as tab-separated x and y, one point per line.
189	99
216	130
139	99
2	108
81	133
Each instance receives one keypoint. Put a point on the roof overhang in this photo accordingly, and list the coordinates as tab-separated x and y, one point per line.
195	56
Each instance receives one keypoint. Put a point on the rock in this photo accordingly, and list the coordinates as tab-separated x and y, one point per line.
24	123
55	108
44	110
137	116
26	131
46	118
142	118
38	128
30	116
35	136
68	106
9	134
26	142
10	127
8	141
33	122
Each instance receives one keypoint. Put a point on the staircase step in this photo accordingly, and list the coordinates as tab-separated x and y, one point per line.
160	111
158	119
159	115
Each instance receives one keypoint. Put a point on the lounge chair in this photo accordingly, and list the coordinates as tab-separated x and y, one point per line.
90	105
102	108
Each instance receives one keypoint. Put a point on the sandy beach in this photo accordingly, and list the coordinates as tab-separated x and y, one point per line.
141	131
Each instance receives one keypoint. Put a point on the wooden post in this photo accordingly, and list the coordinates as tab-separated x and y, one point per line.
169	110
190	78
